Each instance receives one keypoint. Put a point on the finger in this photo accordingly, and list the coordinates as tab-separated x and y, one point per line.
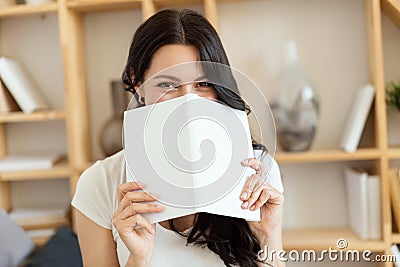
265	195
132	197
136	221
254	164
126	187
253	197
136	208
251	183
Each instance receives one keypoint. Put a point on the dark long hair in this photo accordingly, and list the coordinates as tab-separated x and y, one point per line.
230	238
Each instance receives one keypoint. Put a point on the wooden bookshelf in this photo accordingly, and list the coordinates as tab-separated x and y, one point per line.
40	241
320	239
44	222
23	10
396	238
59	170
327	156
392	9
102	5
394	153
19	116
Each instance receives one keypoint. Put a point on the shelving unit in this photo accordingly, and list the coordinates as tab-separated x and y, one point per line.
70	14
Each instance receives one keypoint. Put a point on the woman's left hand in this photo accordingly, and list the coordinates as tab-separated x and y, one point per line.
258	194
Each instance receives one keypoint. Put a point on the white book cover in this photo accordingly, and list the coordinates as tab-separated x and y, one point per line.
357	201
357	117
21	86
188	151
374	208
28	162
396	252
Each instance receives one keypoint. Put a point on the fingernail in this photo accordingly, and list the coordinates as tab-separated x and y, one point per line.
245	204
152	231
154	195
244	162
244	195
160	207
252	207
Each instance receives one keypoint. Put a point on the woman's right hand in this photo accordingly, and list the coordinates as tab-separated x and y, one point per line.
140	242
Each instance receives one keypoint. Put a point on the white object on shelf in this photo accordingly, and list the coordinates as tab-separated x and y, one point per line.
363	203
21	86
28	162
357	118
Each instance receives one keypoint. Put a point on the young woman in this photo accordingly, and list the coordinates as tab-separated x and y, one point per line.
108	208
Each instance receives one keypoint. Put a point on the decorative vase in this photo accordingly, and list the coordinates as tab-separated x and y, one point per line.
111	132
296	108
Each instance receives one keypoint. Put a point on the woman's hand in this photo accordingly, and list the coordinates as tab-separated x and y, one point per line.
140	242
259	194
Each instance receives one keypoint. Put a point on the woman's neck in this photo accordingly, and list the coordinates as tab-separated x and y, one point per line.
181	223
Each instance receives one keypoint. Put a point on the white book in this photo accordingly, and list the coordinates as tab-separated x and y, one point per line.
21	86
357	201
28	162
357	118
396	252
188	151
374	208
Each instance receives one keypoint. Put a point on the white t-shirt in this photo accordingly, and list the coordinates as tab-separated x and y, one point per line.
96	197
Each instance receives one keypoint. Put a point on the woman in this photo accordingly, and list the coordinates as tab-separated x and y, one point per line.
108	208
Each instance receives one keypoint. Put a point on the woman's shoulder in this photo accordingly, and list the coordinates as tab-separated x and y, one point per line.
96	191
110	170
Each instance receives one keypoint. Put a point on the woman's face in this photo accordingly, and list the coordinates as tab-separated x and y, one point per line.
164	82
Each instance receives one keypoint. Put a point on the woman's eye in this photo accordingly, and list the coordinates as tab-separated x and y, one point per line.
204	85
166	85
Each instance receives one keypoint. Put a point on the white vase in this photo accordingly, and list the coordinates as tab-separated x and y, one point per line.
296	107
6	3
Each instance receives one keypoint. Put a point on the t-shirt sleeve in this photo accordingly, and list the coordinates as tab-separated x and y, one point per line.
93	196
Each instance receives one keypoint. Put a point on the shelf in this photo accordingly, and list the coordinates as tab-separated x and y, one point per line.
392	9
59	170
44	223
23	10
320	239
327	156
394	153
103	5
19	116
396	238
174	3
40	241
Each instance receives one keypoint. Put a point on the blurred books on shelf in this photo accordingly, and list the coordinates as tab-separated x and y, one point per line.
357	118
363	203
29	162
396	252
21	86
40	218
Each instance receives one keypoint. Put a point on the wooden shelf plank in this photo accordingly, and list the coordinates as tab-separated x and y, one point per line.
23	10
392	9
19	116
327	155
103	5
44	223
40	241
59	170
175	3
394	153
396	238
320	239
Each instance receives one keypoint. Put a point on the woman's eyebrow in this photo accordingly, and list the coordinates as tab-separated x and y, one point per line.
176	79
